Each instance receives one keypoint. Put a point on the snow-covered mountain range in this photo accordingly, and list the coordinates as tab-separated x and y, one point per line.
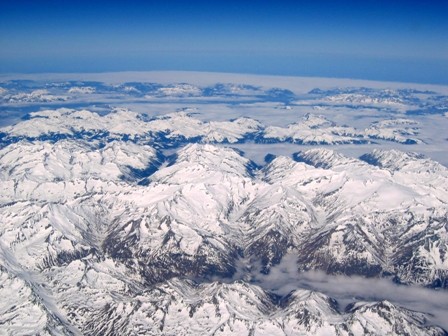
182	127
75	217
123	223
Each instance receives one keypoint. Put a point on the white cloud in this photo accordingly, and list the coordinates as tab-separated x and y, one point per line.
284	278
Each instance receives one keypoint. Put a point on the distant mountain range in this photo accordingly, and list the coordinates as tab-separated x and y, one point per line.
123	223
180	128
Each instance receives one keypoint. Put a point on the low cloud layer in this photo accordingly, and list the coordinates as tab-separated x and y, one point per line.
284	278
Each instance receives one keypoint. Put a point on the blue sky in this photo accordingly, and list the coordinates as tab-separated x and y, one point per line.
395	40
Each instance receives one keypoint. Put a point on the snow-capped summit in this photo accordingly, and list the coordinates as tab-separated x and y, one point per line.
82	89
204	162
395	160
39	95
325	158
403	131
314	130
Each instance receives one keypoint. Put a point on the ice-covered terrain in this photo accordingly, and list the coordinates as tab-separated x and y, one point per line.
130	209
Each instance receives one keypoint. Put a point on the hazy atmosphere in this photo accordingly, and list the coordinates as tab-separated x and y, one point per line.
381	40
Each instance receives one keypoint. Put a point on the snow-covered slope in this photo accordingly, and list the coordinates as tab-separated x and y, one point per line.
81	90
365	96
174	129
314	130
40	96
165	130
375	220
210	213
403	131
54	172
103	234
339	214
